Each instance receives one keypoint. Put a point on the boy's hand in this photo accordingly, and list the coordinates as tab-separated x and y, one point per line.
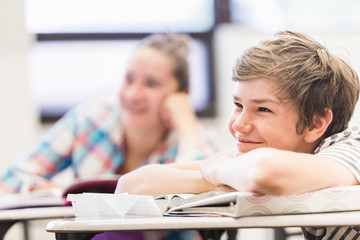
225	188
209	167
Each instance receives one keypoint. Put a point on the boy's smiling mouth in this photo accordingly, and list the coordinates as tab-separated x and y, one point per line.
245	144
247	141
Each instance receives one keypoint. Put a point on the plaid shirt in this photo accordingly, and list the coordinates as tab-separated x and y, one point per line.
88	139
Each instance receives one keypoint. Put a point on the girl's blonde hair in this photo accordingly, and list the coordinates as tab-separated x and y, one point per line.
176	46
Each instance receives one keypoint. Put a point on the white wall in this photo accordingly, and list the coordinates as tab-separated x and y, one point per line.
18	126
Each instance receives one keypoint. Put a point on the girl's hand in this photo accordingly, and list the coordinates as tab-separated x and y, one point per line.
177	111
179	115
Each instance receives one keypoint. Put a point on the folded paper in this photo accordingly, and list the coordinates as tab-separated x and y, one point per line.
95	205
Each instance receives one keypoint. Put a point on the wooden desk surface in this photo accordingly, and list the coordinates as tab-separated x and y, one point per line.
76	225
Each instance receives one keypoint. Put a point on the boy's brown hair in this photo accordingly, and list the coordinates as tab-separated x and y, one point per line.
314	79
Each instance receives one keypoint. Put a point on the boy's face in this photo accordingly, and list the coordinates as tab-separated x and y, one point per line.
261	119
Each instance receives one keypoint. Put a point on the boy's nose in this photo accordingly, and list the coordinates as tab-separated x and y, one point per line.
242	123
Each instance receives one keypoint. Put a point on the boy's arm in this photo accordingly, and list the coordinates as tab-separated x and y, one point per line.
277	172
157	179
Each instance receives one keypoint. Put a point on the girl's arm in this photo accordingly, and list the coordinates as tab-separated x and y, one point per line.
45	161
194	141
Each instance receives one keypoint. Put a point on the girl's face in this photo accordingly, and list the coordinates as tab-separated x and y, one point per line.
261	119
149	80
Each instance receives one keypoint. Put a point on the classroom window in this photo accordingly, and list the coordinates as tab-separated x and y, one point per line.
82	46
307	15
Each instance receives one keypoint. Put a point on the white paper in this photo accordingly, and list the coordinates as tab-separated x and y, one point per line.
102	205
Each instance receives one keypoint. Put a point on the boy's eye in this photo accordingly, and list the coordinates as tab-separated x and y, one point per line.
238	105
263	109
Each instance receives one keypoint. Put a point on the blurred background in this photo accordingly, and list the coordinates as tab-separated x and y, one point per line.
55	53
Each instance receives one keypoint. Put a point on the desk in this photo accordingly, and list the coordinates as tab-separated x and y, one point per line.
74	228
12	216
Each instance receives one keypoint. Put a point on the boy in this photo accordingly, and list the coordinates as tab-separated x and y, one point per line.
293	103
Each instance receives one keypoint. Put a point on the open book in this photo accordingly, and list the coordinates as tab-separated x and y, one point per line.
168	202
39	198
55	196
234	204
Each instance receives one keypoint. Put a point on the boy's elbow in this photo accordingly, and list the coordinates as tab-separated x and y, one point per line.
130	183
139	181
122	185
267	183
268	178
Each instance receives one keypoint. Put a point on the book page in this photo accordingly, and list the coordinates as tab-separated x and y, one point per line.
210	211
210	199
197	197
165	202
37	198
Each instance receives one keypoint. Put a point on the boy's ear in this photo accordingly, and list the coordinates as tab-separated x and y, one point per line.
320	124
